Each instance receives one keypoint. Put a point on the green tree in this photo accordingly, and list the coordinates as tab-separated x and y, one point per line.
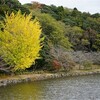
20	41
54	30
90	36
74	34
96	44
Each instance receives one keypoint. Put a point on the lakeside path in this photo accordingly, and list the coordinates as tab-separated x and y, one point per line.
5	80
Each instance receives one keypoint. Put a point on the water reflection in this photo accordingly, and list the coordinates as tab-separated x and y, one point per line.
70	88
23	91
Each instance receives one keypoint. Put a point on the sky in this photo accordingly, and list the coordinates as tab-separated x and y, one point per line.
91	6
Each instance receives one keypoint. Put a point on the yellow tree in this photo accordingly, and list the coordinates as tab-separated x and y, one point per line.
20	40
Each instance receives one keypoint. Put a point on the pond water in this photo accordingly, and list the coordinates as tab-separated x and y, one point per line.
69	88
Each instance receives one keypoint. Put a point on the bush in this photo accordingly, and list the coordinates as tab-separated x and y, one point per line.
87	64
20	41
60	59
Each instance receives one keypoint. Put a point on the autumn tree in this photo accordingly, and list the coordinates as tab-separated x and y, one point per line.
20	41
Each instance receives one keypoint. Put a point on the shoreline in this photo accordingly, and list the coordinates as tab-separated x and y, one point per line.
43	76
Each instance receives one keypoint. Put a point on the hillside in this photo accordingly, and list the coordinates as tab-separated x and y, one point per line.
64	30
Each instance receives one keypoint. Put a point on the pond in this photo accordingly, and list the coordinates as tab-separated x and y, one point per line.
69	88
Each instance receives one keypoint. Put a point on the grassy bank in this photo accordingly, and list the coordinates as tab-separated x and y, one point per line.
41	75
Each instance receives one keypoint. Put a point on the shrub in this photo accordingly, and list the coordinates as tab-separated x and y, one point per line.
20	41
87	64
61	59
56	64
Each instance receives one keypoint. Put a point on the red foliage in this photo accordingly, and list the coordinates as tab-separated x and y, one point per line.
56	64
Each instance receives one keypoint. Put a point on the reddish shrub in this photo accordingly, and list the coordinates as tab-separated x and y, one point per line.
56	65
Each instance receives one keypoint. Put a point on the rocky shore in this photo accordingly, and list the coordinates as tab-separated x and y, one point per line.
42	76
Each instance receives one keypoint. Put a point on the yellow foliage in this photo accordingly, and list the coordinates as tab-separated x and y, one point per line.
20	41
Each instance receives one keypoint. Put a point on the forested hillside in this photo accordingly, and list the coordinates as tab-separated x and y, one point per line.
82	29
64	29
